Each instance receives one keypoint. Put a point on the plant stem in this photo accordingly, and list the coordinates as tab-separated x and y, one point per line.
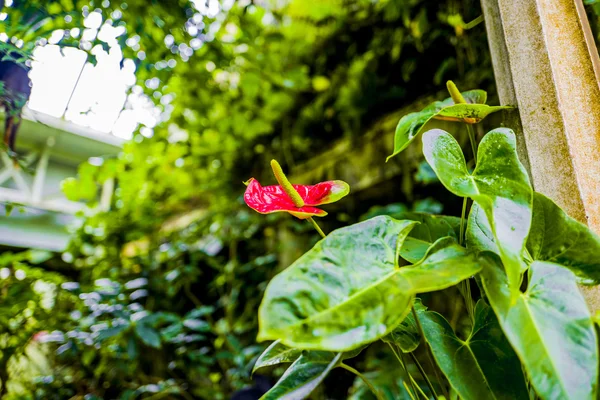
408	390
403	364
465	290
473	141
423	374
428	351
317	227
420	390
463	222
365	380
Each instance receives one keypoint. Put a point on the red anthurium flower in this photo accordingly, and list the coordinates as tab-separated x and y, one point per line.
270	199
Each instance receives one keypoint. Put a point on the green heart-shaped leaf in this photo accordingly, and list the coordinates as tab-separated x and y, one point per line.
499	184
406	335
303	376
348	290
560	239
554	237
412	124
423	235
483	366
549	327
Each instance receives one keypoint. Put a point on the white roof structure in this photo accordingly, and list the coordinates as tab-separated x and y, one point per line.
52	148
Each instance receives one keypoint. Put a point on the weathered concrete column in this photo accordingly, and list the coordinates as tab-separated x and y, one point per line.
546	62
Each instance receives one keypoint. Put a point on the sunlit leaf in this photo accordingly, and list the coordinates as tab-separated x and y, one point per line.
479	232
348	291
483	366
549	327
499	184
560	239
554	237
412	124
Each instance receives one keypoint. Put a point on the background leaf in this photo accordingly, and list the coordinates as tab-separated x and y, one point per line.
148	335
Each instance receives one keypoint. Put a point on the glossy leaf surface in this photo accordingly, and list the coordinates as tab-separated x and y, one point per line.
445	264
342	293
560	239
549	327
270	199
303	376
423	235
412	124
484	366
554	237
348	291
499	184
479	234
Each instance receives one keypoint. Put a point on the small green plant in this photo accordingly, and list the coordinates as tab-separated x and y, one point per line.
530	332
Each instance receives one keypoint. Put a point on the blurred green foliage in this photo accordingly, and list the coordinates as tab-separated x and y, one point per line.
160	293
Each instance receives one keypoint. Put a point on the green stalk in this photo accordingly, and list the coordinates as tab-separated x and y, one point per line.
364	379
428	351
423	374
463	225
420	390
471	133
465	286
403	364
408	390
317	227
465	290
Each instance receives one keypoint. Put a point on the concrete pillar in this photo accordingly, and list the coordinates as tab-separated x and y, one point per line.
546	63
